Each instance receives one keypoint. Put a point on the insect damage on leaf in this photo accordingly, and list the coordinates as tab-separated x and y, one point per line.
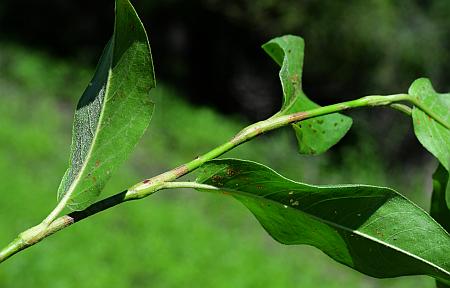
314	136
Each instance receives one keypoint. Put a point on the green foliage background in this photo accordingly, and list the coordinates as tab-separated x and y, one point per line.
174	238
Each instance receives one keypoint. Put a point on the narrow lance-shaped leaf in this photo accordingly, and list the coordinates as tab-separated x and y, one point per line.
372	229
113	112
431	134
316	135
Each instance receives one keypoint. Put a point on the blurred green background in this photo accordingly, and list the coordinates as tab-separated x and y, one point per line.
213	80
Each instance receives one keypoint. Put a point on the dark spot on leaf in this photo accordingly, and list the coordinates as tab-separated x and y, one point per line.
335	124
314	131
320	121
97	163
309	125
216	178
146	181
259	187
231	172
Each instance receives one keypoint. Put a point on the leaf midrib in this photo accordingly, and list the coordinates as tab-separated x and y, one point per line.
336	225
77	179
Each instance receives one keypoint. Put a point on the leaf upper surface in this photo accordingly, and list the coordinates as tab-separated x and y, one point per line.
431	134
113	112
316	135
371	229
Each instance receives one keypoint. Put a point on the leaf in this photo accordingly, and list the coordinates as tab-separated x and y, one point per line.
441	190
431	134
439	210
316	135
371	229
113	112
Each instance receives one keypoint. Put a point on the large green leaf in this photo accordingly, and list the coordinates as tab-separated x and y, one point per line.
113	112
371	229
433	135
316	135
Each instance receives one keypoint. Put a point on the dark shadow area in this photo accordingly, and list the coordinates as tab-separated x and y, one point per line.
209	50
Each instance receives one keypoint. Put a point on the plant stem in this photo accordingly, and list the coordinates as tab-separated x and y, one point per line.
163	181
402	108
41	231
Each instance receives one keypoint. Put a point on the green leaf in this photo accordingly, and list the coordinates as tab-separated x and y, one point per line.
439	210
372	229
431	134
316	135
113	112
441	190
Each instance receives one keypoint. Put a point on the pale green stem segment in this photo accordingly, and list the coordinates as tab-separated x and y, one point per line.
163	181
402	108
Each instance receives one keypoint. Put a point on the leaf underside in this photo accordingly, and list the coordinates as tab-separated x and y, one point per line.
113	112
316	135
371	229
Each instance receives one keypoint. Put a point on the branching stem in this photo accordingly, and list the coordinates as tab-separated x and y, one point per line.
164	181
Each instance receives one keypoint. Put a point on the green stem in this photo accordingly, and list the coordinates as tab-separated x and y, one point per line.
402	108
38	233
163	181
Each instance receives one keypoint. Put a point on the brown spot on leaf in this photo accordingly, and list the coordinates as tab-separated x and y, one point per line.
97	163
216	178
146	181
295	78
259	187
231	172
